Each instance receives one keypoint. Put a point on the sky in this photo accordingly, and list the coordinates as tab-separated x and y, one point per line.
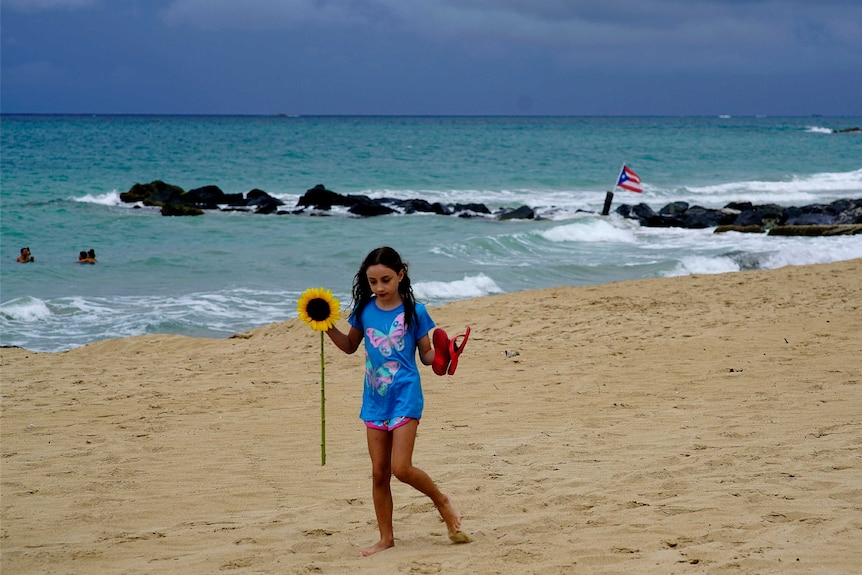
432	57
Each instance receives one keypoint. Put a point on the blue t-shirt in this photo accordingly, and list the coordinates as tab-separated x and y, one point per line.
392	384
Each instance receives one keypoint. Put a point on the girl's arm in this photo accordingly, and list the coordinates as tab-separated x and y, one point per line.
426	354
347	342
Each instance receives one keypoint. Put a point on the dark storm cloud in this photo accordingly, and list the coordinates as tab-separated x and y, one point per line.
444	56
670	34
41	5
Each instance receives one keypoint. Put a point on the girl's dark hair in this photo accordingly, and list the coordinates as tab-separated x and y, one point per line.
362	294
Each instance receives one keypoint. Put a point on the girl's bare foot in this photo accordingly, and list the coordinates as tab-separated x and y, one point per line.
453	522
380	546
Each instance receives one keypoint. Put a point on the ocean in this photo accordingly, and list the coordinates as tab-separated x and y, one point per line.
227	272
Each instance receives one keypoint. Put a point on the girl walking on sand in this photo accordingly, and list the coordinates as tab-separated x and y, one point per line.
394	326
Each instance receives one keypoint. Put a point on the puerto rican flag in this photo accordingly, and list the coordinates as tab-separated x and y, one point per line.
630	181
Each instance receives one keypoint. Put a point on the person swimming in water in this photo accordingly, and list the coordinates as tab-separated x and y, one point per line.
26	257
87	257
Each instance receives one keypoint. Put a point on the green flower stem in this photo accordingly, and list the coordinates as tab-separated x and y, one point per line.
322	407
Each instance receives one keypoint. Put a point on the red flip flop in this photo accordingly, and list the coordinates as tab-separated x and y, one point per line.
441	352
455	349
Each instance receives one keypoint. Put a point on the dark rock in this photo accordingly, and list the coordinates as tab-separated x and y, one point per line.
423	206
844	205
257	193
747	217
839	212
741	229
296	212
320	198
698	217
355	199
441	209
262	202
258	197
369	207
766	215
809	219
472	208
156	193
626	211
673	209
208	197
680	214
852	216
646	216
847	130
181	210
413	206
850	230
248	200
849	211
814	214
739	206
521	213
644	213
267	205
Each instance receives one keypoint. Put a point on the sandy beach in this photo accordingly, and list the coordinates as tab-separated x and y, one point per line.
700	424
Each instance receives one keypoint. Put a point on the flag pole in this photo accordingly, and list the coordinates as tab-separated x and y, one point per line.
609	196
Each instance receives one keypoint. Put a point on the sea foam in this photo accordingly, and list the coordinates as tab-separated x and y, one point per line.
823	182
798	251
469	287
589	230
25	310
107	199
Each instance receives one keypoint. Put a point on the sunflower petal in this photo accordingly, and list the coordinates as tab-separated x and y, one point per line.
319	323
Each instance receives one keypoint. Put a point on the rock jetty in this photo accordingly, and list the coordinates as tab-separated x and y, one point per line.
838	217
174	201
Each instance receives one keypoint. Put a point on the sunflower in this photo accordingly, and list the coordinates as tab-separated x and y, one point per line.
319	309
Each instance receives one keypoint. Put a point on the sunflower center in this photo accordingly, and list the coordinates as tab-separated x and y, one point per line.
318	309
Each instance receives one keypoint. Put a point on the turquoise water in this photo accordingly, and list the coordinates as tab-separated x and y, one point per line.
223	272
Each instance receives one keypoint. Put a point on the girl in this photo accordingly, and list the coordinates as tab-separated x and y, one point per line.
394	326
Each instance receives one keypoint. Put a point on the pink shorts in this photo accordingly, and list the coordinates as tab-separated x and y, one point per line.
388	424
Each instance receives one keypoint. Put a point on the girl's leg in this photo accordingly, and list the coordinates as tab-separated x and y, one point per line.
403	440
380	450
